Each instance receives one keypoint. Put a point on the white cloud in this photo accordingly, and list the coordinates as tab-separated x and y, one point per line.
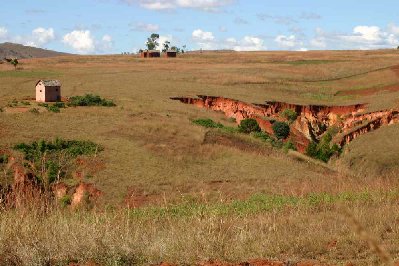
204	36
41	36
205	5
146	27
83	42
362	37
80	40
288	42
204	39
3	33
248	43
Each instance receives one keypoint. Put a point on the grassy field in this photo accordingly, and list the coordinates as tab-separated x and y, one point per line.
198	200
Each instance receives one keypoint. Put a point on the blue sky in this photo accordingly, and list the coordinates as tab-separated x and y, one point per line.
115	26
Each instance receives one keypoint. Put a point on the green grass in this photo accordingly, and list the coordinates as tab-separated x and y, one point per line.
39	74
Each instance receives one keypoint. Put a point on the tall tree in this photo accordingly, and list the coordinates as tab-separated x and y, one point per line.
152	42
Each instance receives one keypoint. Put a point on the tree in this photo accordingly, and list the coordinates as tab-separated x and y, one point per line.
397	48
152	42
166	46
249	125
14	62
281	130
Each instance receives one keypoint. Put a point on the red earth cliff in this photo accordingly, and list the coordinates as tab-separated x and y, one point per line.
312	121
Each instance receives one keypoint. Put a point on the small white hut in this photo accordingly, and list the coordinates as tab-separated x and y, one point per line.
48	91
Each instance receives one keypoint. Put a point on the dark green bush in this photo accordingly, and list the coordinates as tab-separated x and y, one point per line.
90	100
323	150
249	125
207	122
289	114
281	130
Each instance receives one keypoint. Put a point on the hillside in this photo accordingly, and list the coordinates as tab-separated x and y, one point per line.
162	180
21	51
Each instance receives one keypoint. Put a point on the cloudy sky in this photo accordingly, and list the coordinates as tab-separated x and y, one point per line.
115	26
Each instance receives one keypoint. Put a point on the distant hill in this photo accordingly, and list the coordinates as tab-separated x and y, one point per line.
20	51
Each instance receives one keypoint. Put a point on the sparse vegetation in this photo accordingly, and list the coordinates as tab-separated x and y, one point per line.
281	130
50	161
290	115
208	123
90	100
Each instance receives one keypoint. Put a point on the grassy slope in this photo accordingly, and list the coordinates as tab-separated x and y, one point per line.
153	149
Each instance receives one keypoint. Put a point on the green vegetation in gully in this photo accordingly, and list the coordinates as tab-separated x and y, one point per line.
53	160
90	100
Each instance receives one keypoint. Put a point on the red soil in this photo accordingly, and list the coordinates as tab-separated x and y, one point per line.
312	121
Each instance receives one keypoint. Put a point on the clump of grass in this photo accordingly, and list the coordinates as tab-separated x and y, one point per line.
289	145
208	123
90	100
34	111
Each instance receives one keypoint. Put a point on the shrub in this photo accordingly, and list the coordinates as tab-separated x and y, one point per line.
289	114
53	108
207	122
60	104
90	100
323	150
281	130
261	135
289	145
249	125
50	160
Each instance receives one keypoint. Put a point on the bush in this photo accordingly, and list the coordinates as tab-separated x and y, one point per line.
249	125
207	122
60	104
323	150
289	145
54	156
289	114
53	108
90	100
281	130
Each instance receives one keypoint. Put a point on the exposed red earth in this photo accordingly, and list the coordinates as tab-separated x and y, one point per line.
312	121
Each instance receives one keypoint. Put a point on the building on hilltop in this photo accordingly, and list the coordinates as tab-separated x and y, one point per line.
170	54
150	54
48	91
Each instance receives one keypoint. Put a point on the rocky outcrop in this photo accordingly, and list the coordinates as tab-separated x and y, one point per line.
312	121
